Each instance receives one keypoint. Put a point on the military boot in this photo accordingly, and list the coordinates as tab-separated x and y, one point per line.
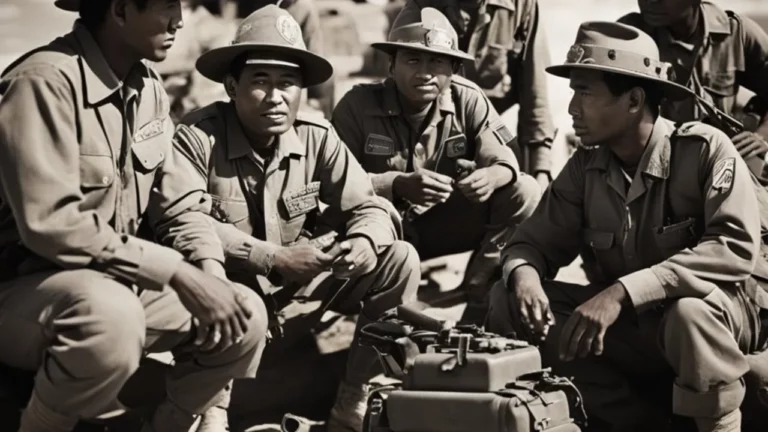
482	271
730	422
348	412
215	419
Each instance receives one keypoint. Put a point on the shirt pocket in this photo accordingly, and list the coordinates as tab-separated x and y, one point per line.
231	211
97	175
671	239
147	157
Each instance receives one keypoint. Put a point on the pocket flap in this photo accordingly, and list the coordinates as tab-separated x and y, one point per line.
96	171
678	235
600	240
148	154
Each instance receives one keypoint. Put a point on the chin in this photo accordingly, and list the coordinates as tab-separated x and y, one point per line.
278	129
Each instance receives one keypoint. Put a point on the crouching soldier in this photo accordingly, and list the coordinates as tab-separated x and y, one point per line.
85	159
671	215
416	134
268	171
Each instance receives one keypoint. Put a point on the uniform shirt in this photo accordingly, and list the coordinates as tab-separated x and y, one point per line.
688	223
509	73
461	124
264	204
734	53
84	158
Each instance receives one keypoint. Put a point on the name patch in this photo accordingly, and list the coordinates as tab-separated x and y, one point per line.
379	145
302	200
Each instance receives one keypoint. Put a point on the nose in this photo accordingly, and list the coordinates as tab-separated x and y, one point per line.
177	19
424	71
273	96
573	108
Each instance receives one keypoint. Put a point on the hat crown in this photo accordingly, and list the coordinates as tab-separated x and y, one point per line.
270	25
430	29
617	36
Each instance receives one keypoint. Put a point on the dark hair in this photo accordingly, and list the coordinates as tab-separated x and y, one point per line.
93	13
620	84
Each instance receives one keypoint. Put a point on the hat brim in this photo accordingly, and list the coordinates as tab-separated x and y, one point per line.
392	47
672	91
215	64
68	5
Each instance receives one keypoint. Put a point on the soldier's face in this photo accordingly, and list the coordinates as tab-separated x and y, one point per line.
421	76
662	13
151	31
267	98
597	114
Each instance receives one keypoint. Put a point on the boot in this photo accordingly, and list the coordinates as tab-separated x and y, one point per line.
730	422
215	419
348	412
169	418
479	276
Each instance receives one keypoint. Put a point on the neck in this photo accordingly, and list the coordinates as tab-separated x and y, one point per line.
686	28
115	53
410	107
260	143
630	146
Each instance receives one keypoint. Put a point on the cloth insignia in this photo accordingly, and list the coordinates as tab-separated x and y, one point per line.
149	130
504	134
302	200
723	174
575	54
289	29
456	146
379	145
440	38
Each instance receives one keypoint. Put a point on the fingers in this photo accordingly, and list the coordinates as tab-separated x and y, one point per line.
246	308
440	178
567	335
201	332
438	185
741	137
598	344
213	339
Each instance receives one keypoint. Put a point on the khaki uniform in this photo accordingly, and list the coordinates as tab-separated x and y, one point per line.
734	54
461	125
187	88
683	240
508	67
85	161
261	205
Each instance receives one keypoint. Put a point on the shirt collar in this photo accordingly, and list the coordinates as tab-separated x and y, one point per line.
390	105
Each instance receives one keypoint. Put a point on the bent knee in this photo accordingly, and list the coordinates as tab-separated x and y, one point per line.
404	254
258	323
687	311
519	198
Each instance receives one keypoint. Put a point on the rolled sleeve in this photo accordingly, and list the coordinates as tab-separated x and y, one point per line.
521	255
156	266
643	287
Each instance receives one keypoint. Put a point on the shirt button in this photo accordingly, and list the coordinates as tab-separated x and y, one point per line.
105	180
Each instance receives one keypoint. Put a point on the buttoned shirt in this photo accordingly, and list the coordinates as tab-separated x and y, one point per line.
687	224
85	159
461	124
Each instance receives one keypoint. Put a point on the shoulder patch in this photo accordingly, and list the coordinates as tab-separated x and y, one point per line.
722	175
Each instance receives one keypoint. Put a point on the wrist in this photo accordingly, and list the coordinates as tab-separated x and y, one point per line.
618	293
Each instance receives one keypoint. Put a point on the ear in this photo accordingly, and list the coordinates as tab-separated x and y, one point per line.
636	100
230	85
118	11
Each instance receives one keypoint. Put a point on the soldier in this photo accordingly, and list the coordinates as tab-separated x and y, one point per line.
671	215
85	159
508	52
714	53
414	132
267	172
202	31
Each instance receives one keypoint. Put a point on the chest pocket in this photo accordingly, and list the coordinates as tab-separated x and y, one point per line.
97	174
296	205
231	211
147	157
600	244
671	239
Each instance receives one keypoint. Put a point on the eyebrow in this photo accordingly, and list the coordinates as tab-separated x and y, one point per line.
579	86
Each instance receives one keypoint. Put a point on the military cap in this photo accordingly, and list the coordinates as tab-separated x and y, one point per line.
68	5
620	49
269	36
428	31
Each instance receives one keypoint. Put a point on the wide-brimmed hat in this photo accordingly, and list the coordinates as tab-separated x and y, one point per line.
68	5
620	49
427	30
272	37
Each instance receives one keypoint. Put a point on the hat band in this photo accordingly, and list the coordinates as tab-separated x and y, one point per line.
619	59
430	38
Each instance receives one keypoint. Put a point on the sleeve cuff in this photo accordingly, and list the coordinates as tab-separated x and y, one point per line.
512	167
261	257
519	256
157	265
382	183
643	287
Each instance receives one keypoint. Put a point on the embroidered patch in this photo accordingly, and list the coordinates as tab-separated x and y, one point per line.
437	37
289	29
722	175
379	145
456	146
149	130
575	54
302	200
504	134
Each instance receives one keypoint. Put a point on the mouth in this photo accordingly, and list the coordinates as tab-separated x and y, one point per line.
579	129
425	87
169	43
275	116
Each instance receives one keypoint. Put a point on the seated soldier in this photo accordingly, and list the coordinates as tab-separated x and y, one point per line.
671	214
417	131
267	172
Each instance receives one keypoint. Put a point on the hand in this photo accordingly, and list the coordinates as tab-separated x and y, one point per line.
750	144
543	179
218	306
478	186
301	263
423	187
359	259
531	303
585	329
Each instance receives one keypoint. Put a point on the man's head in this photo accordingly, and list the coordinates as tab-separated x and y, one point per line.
664	13
266	94
146	28
605	105
424	53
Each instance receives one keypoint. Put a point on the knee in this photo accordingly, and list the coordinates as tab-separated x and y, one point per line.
257	324
686	312
499	317
519	198
404	255
107	320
